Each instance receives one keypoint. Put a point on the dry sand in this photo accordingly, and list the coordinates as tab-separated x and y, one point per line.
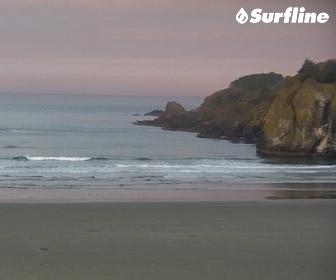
186	240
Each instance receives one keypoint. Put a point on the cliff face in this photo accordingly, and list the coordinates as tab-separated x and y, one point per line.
237	112
301	120
291	116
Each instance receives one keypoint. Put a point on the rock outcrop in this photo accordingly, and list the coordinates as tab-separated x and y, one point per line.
283	116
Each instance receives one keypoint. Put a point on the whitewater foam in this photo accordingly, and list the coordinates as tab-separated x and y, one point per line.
52	158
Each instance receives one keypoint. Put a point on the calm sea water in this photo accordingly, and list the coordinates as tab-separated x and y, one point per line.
82	141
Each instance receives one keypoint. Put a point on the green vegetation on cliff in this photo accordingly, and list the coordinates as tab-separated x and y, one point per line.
257	81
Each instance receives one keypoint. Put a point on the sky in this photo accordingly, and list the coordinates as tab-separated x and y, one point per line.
151	47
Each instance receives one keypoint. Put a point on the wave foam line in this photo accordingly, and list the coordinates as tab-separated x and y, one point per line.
52	158
231	167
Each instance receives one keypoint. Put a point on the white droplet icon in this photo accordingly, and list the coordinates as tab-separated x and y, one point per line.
242	16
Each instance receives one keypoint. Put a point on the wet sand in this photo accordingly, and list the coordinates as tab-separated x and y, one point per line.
181	193
278	239
111	195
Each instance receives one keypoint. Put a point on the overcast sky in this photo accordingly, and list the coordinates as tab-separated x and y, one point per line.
150	47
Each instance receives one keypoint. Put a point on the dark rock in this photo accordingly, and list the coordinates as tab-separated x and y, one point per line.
174	109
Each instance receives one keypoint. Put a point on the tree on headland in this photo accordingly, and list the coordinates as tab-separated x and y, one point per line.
328	73
323	73
309	70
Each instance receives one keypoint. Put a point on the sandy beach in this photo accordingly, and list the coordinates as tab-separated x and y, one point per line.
169	240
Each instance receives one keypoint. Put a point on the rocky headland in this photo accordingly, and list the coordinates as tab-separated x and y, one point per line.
282	115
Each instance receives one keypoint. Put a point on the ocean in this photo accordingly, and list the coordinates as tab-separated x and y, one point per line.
89	141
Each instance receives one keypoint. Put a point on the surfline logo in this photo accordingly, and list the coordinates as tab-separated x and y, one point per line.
290	15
